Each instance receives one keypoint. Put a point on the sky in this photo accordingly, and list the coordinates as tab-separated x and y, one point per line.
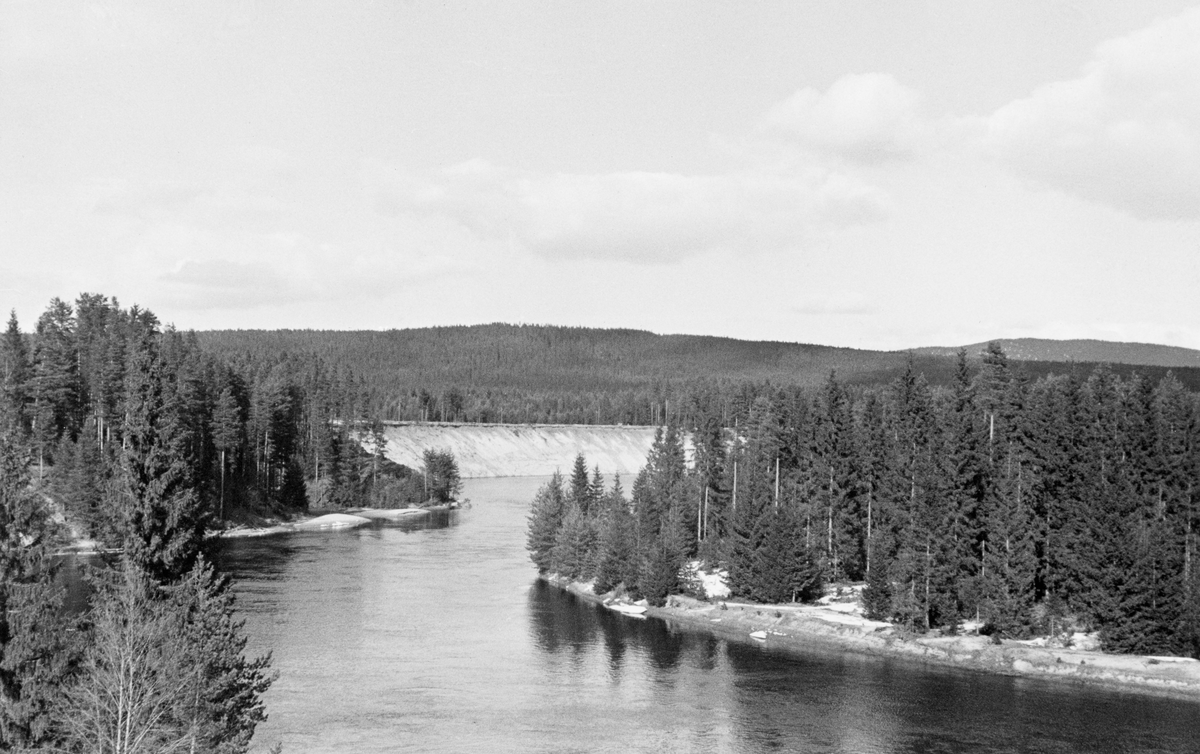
864	174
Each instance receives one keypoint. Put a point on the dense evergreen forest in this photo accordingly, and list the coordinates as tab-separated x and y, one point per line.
1037	506
117	429
571	375
259	434
127	430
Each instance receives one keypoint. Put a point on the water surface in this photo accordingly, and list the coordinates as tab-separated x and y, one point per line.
433	635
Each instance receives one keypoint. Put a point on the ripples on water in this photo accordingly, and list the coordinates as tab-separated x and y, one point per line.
433	636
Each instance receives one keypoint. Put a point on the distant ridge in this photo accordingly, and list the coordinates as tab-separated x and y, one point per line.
627	368
1081	351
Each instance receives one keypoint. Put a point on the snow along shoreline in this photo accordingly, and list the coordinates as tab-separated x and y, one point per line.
804	628
348	520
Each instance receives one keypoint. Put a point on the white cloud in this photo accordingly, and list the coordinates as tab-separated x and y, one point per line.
865	118
226	284
1125	133
223	206
46	31
834	305
635	216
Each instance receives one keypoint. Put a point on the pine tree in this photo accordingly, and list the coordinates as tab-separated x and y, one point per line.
34	647
55	384
227	434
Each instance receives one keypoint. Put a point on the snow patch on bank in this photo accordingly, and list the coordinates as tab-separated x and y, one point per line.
333	521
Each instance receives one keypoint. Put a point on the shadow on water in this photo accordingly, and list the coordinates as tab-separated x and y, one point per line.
832	702
560	621
880	704
257	558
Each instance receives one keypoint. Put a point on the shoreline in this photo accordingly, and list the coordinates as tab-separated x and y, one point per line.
798	629
349	519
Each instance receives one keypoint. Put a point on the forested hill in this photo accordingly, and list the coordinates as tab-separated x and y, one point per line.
501	355
547	374
1083	351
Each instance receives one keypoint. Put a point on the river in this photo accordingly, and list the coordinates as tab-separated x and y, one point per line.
434	636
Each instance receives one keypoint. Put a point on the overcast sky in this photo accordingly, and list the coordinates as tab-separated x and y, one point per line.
867	174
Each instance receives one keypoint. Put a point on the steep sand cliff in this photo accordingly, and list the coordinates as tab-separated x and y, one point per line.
497	450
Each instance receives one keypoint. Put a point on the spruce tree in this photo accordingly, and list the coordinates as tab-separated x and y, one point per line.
163	514
441	470
574	551
596	488
662	561
15	375
970	492
581	488
616	560
1008	570
545	519
227	703
746	540
164	670
877	594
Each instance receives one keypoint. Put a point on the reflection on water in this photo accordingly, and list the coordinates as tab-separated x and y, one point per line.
432	635
827	702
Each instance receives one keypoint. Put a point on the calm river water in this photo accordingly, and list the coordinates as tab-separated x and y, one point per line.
435	637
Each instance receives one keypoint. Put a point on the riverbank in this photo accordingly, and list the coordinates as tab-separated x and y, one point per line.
803	628
342	520
77	544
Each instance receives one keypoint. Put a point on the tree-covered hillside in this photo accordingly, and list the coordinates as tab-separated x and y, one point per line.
544	374
1083	351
